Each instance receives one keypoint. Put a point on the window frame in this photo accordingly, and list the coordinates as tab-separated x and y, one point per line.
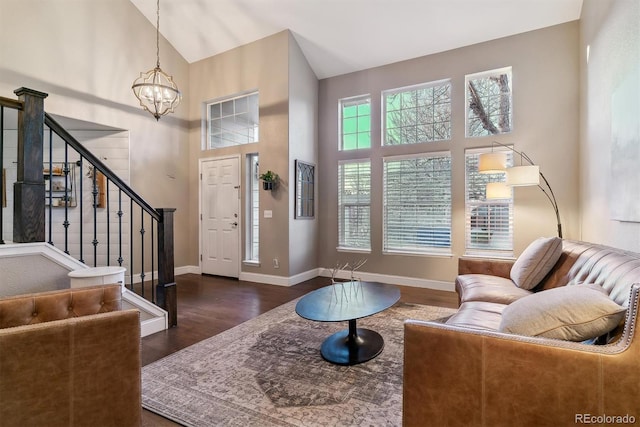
252	201
207	131
366	98
428	250
470	205
416	87
486	74
342	243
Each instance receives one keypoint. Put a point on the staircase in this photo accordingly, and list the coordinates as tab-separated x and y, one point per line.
70	211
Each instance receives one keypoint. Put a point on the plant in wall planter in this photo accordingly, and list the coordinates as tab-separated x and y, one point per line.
269	180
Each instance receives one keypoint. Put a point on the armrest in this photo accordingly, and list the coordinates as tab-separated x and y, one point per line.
457	376
492	267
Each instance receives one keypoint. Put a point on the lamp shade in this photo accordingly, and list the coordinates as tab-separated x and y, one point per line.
493	162
521	176
497	190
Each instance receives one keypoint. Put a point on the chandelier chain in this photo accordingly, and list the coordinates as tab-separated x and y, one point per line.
158	33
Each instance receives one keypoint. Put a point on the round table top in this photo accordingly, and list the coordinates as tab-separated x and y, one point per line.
347	301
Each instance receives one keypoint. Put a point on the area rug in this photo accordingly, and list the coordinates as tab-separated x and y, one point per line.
268	371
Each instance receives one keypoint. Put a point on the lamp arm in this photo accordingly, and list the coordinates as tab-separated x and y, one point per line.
554	203
550	195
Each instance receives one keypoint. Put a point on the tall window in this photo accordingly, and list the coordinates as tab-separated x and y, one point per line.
253	209
233	121
417	203
354	199
355	123
489	109
417	114
489	223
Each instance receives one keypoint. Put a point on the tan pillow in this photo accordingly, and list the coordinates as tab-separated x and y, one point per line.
536	261
572	313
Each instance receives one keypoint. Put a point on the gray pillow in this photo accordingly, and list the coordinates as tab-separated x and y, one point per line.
572	313
536	261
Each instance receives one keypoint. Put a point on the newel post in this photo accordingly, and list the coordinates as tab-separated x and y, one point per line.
166	296
28	190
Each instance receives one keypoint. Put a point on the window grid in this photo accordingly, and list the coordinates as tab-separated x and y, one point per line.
355	123
488	223
233	121
417	114
489	103
417	203
354	199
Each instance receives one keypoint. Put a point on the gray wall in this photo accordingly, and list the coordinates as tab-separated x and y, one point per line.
86	55
612	30
545	123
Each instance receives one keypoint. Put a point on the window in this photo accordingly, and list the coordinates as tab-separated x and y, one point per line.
354	198
417	203
305	190
489	223
489	109
355	123
233	121
417	114
253	209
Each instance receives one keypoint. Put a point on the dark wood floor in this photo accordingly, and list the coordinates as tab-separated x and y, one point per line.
208	305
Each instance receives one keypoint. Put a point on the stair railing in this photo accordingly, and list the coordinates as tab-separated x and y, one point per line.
95	217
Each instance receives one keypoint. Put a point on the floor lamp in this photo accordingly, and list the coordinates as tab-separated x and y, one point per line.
516	176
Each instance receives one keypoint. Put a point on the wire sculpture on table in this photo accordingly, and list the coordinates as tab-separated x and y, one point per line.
355	282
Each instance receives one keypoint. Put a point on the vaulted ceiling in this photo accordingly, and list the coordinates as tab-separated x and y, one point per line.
342	36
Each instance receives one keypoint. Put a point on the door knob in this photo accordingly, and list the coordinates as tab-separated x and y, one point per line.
235	224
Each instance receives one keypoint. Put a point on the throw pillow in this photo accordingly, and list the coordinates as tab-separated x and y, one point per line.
573	313
536	261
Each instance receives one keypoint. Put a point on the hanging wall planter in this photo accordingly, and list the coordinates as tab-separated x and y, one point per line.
269	180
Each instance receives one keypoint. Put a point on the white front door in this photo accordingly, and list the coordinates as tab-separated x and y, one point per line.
220	229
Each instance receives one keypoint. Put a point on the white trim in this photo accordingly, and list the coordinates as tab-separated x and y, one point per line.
414	282
187	269
160	320
280	280
41	248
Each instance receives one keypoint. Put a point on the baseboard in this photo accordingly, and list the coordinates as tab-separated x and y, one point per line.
187	269
394	280
280	280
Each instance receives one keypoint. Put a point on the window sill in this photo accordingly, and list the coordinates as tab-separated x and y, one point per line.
354	250
443	254
251	263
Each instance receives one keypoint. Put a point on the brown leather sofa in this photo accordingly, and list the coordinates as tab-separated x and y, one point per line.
467	373
69	358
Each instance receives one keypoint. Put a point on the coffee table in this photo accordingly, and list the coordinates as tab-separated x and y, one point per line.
349	301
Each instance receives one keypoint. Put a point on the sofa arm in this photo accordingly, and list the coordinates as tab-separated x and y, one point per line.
462	377
73	372
492	267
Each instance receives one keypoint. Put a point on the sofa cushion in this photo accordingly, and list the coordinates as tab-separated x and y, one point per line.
536	261
478	315
573	313
483	287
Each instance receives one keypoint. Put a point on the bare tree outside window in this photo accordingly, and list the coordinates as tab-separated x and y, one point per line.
417	114
489	103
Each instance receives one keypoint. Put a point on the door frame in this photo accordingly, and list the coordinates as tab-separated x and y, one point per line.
240	207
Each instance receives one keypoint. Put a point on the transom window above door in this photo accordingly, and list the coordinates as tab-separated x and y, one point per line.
233	121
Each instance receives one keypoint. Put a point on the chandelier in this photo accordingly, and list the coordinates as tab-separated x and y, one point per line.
155	89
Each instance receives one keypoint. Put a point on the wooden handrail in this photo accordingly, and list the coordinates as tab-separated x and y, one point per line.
11	103
101	167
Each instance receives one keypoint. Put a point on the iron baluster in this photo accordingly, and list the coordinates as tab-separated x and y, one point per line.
66	224
50	196
131	241
108	226
142	275
153	279
81	165
94	192
120	213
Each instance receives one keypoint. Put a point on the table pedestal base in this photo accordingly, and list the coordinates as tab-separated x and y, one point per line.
352	346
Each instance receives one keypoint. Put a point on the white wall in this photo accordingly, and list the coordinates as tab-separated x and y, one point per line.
611	29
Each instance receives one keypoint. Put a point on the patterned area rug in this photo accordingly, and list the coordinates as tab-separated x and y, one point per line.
268	371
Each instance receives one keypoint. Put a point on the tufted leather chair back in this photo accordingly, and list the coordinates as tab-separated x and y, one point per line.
57	305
